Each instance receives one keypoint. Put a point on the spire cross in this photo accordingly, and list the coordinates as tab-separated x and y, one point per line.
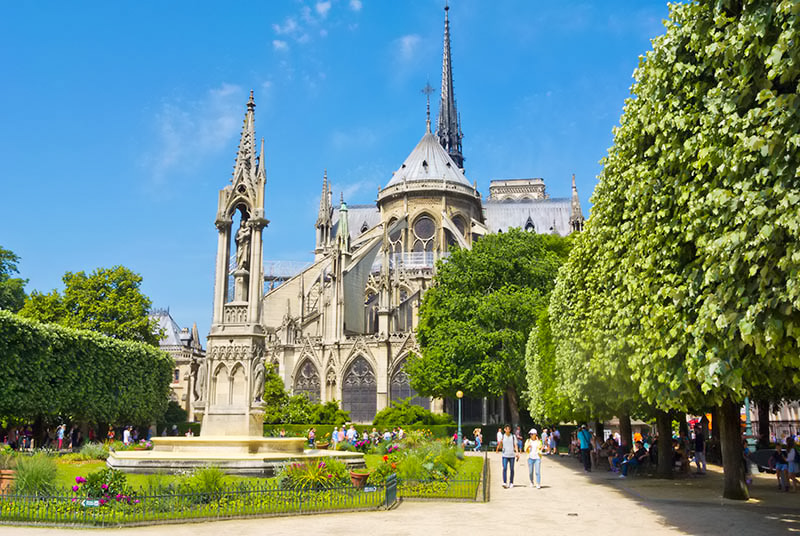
428	90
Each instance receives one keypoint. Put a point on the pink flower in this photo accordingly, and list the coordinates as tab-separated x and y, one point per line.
74	499
79	480
75	487
136	501
118	496
102	502
104	486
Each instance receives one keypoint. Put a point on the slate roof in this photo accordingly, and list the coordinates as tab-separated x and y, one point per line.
357	215
429	161
172	332
502	215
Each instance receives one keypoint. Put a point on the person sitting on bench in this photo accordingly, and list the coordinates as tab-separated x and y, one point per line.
639	457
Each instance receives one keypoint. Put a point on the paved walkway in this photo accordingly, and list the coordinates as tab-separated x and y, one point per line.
570	502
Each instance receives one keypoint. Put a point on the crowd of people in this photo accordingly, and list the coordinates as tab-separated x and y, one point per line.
350	435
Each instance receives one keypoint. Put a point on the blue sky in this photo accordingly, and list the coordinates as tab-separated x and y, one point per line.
119	121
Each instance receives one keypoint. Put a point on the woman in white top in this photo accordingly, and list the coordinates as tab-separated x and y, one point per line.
533	446
544	440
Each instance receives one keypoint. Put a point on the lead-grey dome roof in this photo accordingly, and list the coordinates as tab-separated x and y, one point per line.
429	161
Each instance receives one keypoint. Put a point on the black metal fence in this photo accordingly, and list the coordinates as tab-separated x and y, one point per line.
167	505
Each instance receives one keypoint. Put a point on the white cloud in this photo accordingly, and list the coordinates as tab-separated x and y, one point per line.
279	45
407	46
188	131
289	27
356	5
323	8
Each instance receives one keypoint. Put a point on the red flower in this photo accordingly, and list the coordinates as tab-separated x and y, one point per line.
385	458
394	465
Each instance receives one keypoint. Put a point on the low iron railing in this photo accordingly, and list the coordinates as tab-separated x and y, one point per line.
167	505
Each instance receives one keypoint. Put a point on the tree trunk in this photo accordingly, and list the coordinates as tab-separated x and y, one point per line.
683	426
625	430
713	424
513	404
664	427
763	424
598	431
730	435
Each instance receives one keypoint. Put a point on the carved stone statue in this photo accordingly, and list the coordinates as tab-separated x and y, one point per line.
200	381
243	247
258	379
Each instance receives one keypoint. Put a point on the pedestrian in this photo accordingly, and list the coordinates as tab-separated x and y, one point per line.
312	437
60	434
792	457
111	434
778	462
508	446
335	437
585	439
545	439
499	436
126	436
478	439
699	450
533	446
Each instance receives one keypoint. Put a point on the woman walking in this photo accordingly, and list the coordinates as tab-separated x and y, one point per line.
533	446
508	446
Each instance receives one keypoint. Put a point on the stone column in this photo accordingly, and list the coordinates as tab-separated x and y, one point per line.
221	275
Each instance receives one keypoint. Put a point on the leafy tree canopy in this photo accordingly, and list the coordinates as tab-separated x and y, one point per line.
12	289
108	301
694	227
475	319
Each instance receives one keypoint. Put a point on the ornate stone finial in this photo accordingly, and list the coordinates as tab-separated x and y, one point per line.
427	90
251	103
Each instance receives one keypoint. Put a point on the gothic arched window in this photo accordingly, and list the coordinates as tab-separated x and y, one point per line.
360	391
371	310
400	388
306	381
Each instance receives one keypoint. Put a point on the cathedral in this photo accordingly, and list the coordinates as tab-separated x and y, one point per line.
342	327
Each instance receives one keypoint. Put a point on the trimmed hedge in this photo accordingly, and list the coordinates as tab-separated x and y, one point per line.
301	430
50	371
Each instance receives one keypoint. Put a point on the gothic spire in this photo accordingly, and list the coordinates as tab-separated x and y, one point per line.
576	215
325	208
448	128
246	157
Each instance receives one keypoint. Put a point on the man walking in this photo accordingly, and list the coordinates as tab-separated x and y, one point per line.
700	449
585	439
508	446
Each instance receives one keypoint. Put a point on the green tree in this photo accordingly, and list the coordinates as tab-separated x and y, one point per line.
476	317
108	301
12	289
695	214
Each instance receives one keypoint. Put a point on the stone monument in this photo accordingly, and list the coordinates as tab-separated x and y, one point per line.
229	382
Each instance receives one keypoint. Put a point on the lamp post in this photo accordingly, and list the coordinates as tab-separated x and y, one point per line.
459	395
748	428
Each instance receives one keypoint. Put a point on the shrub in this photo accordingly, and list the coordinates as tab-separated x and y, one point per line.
35	475
209	481
388	466
7	459
314	475
404	413
93	451
105	483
